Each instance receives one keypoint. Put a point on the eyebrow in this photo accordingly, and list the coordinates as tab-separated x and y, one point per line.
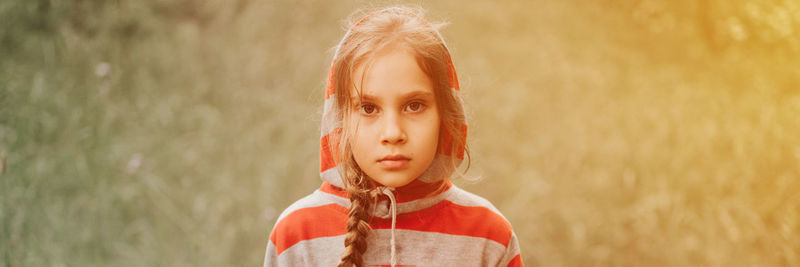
409	95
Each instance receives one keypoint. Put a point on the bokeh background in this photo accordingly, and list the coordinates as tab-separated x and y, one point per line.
611	133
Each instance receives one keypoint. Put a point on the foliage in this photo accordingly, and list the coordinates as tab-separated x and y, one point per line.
141	133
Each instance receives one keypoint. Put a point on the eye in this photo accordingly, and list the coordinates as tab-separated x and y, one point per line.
415	107
368	109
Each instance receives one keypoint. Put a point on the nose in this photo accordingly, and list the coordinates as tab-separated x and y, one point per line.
393	130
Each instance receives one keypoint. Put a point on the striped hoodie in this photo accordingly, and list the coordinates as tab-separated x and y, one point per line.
429	222
452	228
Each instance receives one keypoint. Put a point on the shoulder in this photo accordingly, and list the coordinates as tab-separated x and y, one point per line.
463	197
479	215
315	200
316	215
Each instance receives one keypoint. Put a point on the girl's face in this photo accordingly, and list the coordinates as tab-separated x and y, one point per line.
396	118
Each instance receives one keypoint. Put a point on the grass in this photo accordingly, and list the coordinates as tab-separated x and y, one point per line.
172	133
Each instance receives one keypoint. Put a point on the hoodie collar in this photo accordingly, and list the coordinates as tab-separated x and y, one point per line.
415	190
413	197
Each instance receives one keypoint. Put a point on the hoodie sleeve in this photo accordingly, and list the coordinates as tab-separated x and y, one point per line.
512	256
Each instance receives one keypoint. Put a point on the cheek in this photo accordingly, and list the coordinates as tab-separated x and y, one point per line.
360	137
359	141
430	131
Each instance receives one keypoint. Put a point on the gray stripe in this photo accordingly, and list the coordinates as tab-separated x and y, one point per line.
464	198
329	116
315	199
332	176
323	251
433	249
344	202
270	258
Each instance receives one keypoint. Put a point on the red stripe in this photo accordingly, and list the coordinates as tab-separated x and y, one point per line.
333	190
452	77
445	217
447	142
450	218
330	88
516	261
326	151
415	190
304	224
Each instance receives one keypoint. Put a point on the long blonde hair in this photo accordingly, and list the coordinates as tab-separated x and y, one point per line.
380	29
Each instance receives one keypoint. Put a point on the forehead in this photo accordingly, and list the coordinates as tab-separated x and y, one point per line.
391	71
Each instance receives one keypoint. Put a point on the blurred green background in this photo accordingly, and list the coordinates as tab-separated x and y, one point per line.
611	133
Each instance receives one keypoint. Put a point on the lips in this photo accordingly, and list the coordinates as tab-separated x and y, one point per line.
394	162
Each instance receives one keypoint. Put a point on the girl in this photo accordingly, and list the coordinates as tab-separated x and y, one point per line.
393	131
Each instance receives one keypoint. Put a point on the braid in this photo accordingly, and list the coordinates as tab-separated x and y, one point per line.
355	241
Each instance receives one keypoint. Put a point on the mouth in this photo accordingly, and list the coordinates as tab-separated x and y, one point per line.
394	162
